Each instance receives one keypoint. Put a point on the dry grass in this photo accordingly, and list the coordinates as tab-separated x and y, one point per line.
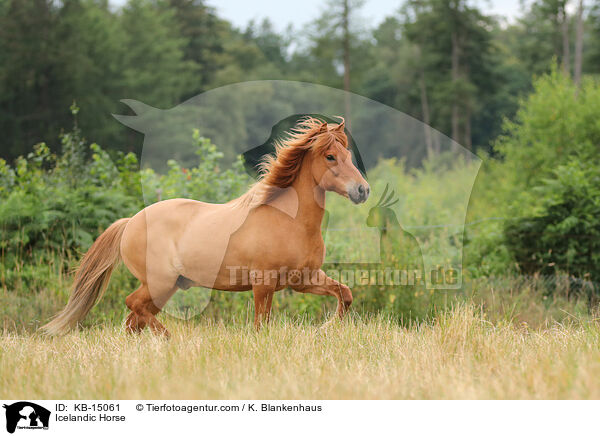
460	355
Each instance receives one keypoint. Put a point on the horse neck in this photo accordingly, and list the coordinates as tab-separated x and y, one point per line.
311	198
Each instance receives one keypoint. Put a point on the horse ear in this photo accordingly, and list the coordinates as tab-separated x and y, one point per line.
341	126
323	128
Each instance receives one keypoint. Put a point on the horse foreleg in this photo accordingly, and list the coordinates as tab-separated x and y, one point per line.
263	297
321	284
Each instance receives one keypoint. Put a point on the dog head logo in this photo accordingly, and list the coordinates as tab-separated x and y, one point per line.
240	116
26	415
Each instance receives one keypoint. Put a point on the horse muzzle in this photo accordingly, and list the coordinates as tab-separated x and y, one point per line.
359	193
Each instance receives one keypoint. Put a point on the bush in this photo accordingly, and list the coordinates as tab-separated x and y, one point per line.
550	181
206	182
564	236
52	207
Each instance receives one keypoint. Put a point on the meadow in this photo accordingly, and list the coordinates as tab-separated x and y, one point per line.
457	355
523	324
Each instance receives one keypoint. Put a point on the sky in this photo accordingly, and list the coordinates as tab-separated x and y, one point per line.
282	13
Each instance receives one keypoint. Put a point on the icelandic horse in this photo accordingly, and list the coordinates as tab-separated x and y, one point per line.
274	227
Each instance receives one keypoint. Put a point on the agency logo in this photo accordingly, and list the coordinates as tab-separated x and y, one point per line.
409	233
26	415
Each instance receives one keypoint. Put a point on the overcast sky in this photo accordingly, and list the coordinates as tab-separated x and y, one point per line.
281	13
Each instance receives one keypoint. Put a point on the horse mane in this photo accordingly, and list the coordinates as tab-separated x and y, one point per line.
279	172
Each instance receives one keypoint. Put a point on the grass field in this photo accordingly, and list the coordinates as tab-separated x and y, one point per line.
459	355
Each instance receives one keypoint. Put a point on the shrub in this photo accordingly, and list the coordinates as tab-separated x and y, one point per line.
564	236
549	156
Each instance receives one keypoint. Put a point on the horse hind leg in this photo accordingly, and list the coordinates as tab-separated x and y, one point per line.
133	323
143	310
136	302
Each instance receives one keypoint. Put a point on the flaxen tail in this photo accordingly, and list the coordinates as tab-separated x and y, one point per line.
91	279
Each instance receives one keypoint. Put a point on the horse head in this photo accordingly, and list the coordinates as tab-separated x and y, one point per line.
332	166
322	149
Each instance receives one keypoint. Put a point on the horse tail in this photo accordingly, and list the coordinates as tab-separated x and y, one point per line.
91	279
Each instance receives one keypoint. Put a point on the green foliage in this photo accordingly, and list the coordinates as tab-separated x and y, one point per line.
60	203
153	68
206	182
54	52
554	124
537	39
163	52
544	188
534	209
564	236
454	57
52	208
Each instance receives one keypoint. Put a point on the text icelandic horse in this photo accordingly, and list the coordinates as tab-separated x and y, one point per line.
265	240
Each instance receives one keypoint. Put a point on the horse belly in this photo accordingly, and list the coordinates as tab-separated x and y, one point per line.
149	242
204	245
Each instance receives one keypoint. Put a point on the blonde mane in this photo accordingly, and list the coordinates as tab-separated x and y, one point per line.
279	172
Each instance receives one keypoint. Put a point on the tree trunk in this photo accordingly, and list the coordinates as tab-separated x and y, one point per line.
468	109
579	45
468	139
425	108
346	26
455	79
426	116
565	40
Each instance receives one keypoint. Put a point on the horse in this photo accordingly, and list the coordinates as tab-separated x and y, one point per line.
264	241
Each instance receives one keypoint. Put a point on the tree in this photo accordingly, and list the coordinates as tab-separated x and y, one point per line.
542	34
154	68
336	45
578	44
89	36
274	46
564	19
453	40
54	53
346	45
204	35
28	78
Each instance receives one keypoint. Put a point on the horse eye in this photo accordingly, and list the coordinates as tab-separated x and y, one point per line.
330	157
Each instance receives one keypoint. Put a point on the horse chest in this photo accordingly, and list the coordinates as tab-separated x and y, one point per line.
308	252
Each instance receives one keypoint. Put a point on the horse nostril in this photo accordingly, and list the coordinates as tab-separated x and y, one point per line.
361	190
368	190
